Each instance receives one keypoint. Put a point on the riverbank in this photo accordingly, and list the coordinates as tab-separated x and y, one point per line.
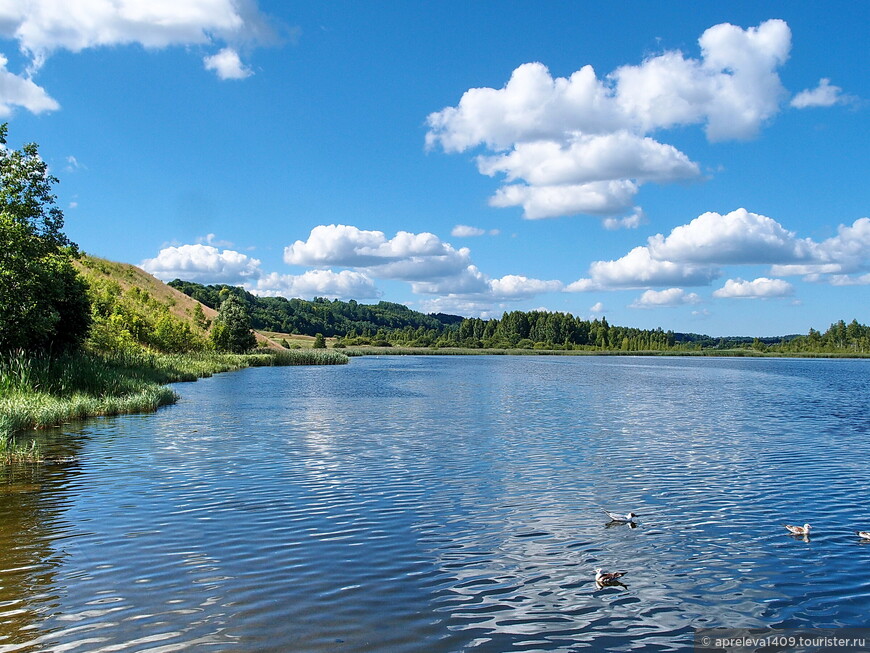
714	353
42	391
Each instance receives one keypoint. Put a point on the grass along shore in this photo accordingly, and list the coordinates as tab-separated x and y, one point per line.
43	391
702	353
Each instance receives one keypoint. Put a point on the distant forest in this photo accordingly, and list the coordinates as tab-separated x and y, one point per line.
328	317
390	324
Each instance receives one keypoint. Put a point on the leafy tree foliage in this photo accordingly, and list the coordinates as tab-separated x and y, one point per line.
43	303
329	317
839	338
319	341
172	335
231	331
546	330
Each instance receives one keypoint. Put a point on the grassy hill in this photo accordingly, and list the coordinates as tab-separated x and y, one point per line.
139	300
143	336
126	277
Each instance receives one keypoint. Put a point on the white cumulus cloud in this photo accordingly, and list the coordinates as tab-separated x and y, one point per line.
732	89
42	27
823	95
589	158
458	305
465	231
633	221
692	254
338	244
850	247
202	263
531	106
345	284
762	288
638	269
669	298
471	283
430	265
227	65
513	286
846	280
582	144
596	198
406	256
16	91
847	252
739	237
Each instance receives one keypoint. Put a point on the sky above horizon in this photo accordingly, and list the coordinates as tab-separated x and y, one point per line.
701	171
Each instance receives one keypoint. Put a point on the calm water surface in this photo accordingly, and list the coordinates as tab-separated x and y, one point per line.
448	504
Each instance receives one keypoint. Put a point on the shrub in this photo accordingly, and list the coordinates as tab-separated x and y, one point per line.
174	336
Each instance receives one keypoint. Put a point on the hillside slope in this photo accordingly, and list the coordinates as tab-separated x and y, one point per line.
132	286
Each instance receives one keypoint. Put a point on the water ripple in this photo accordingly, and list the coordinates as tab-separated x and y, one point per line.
448	504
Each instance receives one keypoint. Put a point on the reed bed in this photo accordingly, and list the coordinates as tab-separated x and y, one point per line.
42	391
306	357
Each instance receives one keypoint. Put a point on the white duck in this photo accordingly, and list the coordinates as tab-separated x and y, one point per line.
615	516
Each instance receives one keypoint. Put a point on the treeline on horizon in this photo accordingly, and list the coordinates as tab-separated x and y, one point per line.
331	318
388	324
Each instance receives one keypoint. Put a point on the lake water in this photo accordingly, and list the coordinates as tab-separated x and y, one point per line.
448	504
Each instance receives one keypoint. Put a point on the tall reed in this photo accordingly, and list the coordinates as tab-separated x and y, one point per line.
38	391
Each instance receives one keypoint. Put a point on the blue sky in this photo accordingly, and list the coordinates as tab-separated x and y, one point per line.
699	170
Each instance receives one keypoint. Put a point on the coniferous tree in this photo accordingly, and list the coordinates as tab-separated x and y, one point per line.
199	318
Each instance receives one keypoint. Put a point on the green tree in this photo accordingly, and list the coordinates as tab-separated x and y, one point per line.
231	330
199	318
43	302
174	335
319	341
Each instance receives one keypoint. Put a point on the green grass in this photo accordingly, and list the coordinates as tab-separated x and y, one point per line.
307	357
42	391
12	451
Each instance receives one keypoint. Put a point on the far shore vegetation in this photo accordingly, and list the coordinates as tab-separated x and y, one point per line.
82	337
365	328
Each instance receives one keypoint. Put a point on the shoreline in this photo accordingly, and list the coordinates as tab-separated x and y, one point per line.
44	392
27	409
704	353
